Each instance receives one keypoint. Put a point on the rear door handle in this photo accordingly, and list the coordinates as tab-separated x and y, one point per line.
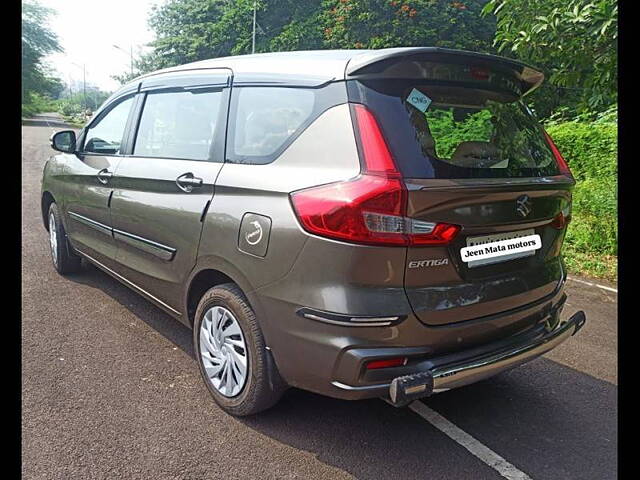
187	182
104	176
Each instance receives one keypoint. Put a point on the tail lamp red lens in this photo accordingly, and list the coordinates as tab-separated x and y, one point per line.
386	363
562	164
560	221
479	73
370	209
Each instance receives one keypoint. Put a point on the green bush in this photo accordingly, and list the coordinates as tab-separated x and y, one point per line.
36	103
590	149
595	224
29	110
70	108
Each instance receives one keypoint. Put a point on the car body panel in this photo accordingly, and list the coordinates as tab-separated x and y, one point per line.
86	203
455	291
157	222
321	351
264	190
148	204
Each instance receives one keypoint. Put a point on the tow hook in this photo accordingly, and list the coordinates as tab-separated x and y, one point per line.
580	319
406	389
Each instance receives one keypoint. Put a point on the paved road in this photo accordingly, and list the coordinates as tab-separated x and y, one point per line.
111	390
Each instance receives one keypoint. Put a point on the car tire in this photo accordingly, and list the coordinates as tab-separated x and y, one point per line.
64	260
224	321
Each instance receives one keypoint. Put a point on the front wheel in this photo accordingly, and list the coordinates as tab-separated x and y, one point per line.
231	353
64	260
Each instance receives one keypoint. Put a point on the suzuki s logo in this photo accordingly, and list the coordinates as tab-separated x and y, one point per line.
428	263
523	206
254	236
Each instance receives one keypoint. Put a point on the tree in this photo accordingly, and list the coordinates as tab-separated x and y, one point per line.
184	31
574	41
37	42
38	85
394	23
299	27
52	87
190	30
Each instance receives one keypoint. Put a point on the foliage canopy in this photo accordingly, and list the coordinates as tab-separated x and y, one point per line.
37	42
574	41
190	30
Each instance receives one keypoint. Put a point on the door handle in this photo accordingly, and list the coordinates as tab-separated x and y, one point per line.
104	176
187	182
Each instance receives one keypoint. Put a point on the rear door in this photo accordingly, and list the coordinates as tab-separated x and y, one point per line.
163	188
443	288
472	155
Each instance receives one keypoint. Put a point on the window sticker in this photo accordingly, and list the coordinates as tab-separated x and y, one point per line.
419	100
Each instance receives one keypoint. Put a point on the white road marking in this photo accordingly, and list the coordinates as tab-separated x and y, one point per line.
484	453
615	290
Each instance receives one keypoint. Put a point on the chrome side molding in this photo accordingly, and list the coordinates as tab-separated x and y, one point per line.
164	252
100	227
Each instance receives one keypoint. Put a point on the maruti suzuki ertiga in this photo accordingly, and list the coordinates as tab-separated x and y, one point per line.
357	223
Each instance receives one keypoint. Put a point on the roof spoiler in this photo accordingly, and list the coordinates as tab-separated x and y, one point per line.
373	63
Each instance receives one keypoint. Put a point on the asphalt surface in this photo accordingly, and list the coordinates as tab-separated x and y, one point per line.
110	389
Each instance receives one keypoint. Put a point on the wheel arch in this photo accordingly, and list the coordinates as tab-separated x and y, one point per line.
209	274
45	202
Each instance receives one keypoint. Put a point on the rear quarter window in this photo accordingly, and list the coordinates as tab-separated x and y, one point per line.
265	120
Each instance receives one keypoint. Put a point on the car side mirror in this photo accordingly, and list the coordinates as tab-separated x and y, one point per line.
64	141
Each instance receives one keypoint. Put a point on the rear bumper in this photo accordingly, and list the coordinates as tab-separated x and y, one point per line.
456	375
330	358
446	373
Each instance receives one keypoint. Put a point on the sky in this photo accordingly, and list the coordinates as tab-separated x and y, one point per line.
88	31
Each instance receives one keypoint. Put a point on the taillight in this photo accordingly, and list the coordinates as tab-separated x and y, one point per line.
562	164
479	73
370	209
387	363
347	210
560	221
377	158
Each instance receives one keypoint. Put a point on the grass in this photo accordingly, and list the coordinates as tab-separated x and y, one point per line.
73	121
590	264
590	148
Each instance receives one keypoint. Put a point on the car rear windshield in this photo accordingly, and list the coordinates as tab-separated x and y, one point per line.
448	131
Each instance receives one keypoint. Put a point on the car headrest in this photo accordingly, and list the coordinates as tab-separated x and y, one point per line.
475	154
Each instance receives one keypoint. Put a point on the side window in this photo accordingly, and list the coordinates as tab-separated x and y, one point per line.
106	136
178	124
266	118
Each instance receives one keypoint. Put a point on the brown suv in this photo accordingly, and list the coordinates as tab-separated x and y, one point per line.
358	223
